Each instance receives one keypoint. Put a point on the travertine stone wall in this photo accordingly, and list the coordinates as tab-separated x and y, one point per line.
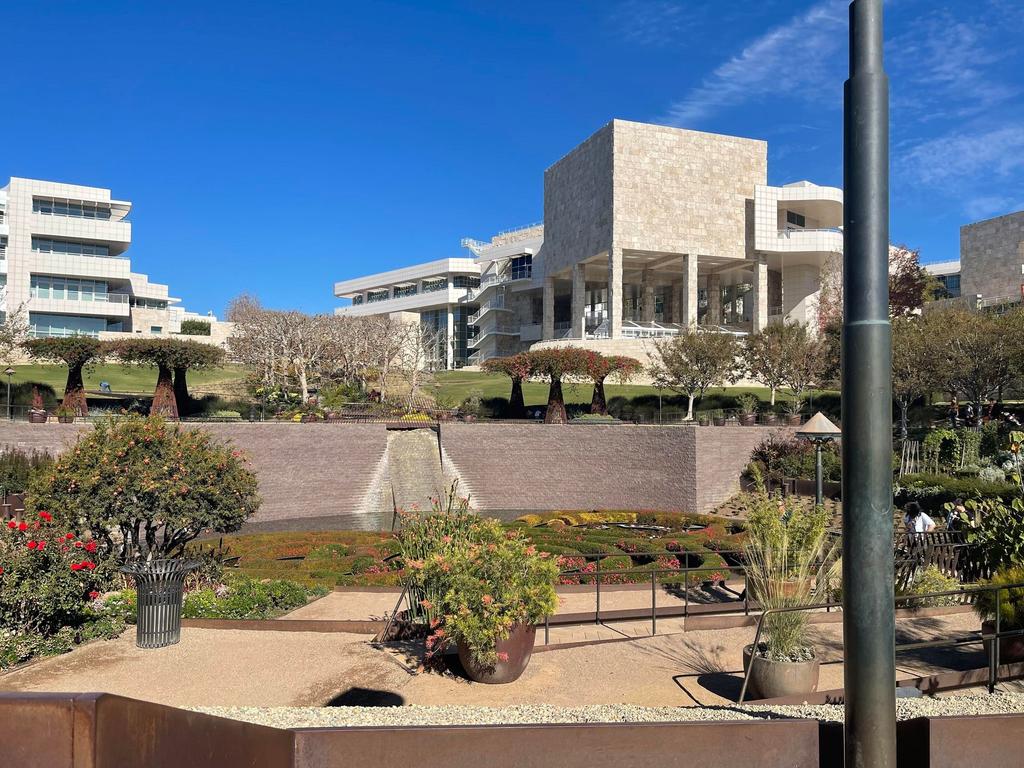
991	255
679	191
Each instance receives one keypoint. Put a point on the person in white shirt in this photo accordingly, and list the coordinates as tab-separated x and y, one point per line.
915	520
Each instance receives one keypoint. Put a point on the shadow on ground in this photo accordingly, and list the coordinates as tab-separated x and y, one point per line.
366	697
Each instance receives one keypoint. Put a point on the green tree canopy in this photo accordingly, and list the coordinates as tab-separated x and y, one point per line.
555	364
145	488
75	352
170	356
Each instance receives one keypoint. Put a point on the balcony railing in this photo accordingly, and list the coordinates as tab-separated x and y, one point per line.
497	303
90	298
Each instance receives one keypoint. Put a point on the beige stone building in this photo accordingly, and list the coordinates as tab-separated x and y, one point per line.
992	258
647	230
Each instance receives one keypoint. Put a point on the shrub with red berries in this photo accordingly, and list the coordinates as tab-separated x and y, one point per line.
47	574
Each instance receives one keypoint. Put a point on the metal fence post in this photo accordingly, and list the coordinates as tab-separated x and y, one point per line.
597	584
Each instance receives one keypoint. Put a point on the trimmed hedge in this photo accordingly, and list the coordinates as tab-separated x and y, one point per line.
932	492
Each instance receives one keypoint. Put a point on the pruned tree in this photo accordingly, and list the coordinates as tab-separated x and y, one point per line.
915	369
557	364
909	286
808	357
192	355
170	356
518	368
75	352
599	367
978	353
693	361
767	355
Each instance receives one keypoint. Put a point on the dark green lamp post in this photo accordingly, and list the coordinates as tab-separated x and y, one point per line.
819	430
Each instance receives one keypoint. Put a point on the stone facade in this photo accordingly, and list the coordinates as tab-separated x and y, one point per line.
992	257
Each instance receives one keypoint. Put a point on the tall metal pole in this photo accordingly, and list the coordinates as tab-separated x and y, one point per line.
819	491
868	621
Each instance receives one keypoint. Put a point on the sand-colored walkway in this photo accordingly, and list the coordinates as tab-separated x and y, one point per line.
237	668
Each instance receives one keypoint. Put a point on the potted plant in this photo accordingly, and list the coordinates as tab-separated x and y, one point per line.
491	593
748	403
37	413
66	414
770	418
1011	613
703	419
719	419
784	574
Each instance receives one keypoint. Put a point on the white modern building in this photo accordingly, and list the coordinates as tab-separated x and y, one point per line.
63	257
647	230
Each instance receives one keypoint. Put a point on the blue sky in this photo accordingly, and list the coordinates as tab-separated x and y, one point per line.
274	149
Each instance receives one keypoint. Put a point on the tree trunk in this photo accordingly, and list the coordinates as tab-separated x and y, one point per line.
303	383
773	397
163	398
74	392
556	405
904	407
598	403
689	408
516	403
181	395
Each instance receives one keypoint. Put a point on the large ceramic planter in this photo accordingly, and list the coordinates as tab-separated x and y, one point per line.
771	418
66	419
793	420
1011	649
774	679
748	419
719	421
789	588
37	417
519	648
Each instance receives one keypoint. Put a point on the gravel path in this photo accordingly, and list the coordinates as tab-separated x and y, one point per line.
332	717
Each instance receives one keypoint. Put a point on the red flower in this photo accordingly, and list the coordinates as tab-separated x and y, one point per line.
90	547
78	545
1	569
11	524
76	566
69	536
45	516
32	544
23	526
93	595
42	544
88	564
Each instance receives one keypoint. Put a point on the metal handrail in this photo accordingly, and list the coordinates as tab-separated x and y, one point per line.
994	638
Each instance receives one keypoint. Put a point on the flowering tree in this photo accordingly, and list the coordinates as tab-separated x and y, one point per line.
517	368
600	367
692	361
555	364
47	574
145	488
14	328
75	352
909	286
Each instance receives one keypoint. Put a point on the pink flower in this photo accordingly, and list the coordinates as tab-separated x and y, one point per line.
93	595
427	605
487	599
502	656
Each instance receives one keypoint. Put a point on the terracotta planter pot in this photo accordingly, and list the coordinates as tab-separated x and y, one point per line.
793	420
773	679
1011	649
748	419
37	417
719	421
518	646
703	421
66	419
792	588
771	418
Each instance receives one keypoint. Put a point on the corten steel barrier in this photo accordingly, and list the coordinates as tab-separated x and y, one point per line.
160	586
991	641
66	730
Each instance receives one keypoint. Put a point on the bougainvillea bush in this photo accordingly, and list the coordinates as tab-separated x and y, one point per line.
146	488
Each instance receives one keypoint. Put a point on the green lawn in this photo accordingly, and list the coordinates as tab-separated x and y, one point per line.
458	385
122	378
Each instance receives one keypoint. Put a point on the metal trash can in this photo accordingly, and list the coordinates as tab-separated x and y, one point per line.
160	585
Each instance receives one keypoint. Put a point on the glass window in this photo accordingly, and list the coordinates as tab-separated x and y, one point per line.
522	267
357	299
46	245
43	325
796	219
466	281
435	284
381	295
156	329
405	290
77	209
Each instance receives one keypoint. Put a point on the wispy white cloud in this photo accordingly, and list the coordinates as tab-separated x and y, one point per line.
987	206
653	22
798	58
965	155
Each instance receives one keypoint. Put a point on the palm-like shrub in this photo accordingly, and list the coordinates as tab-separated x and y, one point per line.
517	367
557	364
144	487
75	352
171	358
599	367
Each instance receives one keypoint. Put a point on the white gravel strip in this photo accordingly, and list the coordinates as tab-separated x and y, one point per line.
335	717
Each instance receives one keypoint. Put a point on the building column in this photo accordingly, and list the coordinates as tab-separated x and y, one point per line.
689	290
714	299
450	339
647	298
759	311
579	301
615	293
548	326
668	304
